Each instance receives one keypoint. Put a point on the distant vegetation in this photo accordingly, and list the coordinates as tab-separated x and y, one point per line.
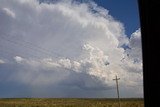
69	102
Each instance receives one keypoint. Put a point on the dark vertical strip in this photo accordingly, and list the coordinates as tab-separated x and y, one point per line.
149	20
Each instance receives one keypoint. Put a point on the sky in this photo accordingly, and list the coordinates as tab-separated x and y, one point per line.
70	48
125	11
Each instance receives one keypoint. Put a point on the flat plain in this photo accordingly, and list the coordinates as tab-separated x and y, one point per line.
70	102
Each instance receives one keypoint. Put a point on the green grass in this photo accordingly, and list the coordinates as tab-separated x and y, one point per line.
69	102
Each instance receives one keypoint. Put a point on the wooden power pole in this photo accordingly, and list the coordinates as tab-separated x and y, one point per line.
116	79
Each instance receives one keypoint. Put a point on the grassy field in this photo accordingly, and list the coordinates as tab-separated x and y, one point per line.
69	102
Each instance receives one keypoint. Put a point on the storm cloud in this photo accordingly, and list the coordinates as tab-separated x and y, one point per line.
66	49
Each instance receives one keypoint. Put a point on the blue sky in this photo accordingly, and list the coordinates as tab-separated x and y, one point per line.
125	11
61	49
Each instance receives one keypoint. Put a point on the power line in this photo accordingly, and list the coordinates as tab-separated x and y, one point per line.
42	62
32	47
116	79
48	54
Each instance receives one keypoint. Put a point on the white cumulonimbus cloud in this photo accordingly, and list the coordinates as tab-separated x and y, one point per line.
70	45
9	12
1	61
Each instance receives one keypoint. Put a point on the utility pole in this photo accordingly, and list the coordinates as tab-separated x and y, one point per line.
116	79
